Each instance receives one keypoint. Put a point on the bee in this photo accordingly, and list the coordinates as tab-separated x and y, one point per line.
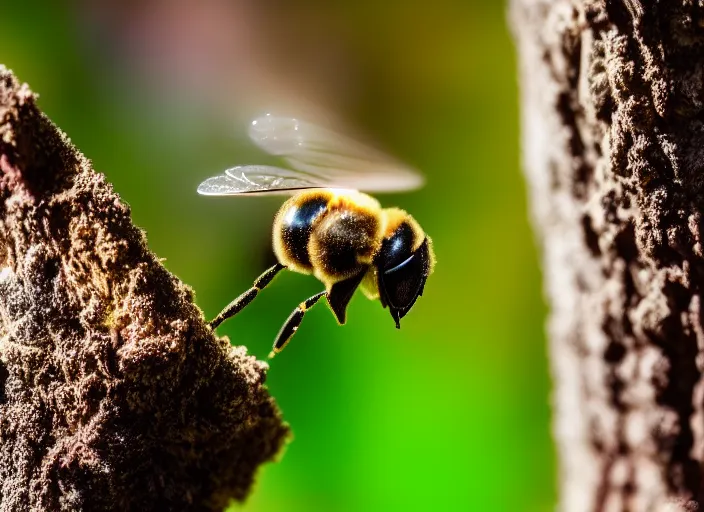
328	228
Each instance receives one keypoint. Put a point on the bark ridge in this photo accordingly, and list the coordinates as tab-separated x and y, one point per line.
114	394
613	139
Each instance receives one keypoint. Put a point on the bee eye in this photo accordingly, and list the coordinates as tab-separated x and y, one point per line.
402	282
402	273
396	249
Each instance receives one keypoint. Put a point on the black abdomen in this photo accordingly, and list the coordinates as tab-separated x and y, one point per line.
330	234
294	226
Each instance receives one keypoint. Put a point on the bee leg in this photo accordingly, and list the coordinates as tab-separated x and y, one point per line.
341	294
243	300
294	320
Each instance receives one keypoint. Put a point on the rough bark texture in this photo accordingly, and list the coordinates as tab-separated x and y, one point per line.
114	395
613	139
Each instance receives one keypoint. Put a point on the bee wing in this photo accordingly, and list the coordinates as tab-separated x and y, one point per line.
330	158
258	179
319	158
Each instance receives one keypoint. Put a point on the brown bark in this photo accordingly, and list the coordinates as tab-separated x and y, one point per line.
114	394
613	140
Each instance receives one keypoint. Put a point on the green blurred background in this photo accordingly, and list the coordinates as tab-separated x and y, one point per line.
452	411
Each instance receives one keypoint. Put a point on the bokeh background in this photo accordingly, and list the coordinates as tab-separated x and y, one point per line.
452	411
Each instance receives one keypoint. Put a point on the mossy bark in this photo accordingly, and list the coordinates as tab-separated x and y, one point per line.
114	393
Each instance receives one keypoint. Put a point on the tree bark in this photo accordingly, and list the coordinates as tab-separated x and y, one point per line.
613	141
114	394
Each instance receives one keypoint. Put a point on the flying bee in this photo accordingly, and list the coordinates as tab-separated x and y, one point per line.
328	228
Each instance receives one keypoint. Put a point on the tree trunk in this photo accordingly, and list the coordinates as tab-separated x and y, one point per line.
613	148
114	394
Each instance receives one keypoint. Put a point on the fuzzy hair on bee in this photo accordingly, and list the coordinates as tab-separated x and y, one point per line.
328	228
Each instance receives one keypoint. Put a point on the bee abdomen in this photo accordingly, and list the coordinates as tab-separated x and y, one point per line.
343	243
293	229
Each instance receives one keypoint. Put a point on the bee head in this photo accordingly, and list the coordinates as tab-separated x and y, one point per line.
402	270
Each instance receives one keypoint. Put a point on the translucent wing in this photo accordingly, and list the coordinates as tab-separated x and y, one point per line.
258	179
319	158
331	157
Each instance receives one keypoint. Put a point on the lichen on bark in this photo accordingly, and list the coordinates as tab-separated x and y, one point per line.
114	393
